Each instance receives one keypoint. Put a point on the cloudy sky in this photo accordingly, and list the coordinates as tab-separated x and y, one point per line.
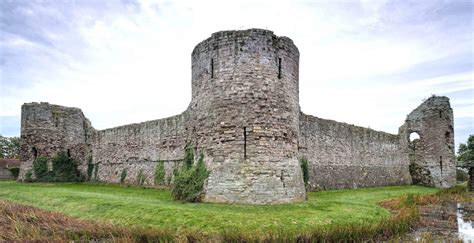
367	63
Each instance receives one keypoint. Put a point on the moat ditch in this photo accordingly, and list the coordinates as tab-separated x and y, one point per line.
451	221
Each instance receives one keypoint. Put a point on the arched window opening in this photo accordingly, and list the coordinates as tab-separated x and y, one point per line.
414	136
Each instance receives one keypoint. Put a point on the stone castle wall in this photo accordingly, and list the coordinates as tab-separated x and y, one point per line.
138	147
244	117
347	156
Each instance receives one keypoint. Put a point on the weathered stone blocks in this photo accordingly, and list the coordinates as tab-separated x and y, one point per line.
244	117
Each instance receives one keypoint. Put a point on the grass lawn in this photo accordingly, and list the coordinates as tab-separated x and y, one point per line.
153	208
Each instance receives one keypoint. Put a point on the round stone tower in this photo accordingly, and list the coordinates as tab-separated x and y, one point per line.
245	116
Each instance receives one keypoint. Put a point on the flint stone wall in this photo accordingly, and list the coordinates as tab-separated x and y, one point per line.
347	156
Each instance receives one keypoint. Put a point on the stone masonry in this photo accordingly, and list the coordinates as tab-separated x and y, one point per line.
244	117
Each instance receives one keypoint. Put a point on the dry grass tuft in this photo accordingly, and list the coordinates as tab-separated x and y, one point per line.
26	223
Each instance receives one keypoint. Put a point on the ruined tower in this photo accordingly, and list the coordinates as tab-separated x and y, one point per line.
431	154
49	129
245	116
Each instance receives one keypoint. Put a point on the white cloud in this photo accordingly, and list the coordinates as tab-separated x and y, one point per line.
124	64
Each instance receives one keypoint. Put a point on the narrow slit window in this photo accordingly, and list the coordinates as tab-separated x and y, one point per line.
212	68
441	164
245	142
440	114
279	68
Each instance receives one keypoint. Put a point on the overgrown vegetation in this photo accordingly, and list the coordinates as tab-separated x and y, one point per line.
188	156
123	175
29	176
140	178
160	173
304	169
323	217
64	169
15	172
189	180
466	151
40	167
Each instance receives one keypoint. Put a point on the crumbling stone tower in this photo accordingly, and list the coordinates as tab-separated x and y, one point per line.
49	129
245	116
431	156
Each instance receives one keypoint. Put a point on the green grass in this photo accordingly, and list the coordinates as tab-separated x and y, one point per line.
153	208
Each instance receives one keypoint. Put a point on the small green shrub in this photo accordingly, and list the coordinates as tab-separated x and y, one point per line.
189	156
40	167
140	178
90	169
189	182
65	168
304	169
15	172
160	173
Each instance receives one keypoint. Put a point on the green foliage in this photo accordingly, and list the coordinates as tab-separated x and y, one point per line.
189	182
65	168
160	173
15	172
9	147
40	167
466	151
189	156
123	175
28	176
90	169
461	175
140	178
304	169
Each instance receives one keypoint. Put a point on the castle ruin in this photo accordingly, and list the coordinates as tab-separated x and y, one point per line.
245	118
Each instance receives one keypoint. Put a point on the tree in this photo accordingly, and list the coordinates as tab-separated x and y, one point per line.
466	151
9	147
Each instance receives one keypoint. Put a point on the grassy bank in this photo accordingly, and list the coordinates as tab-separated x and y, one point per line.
325	214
